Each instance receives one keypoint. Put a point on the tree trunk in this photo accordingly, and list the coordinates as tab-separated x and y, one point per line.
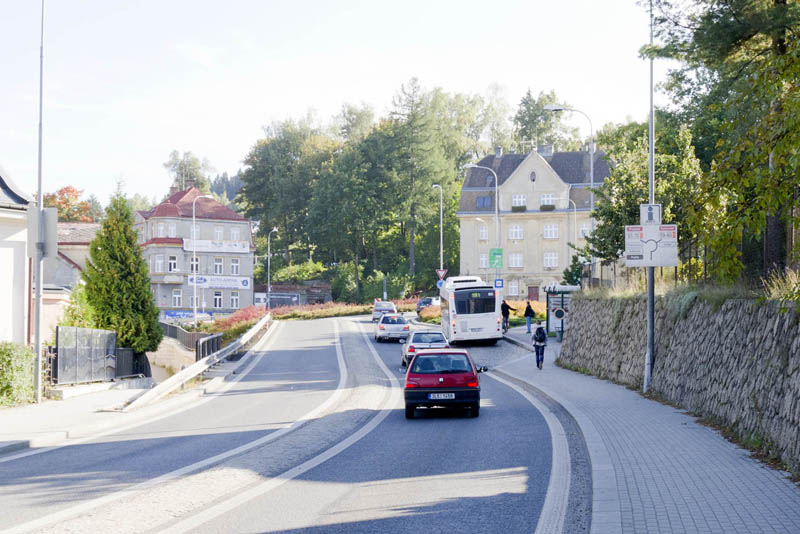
358	282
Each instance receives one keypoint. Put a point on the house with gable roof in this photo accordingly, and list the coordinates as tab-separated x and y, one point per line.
217	252
544	205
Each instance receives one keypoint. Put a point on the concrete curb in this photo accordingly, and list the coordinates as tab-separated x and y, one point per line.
12	446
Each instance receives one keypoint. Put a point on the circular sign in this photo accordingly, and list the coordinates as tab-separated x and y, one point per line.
559	313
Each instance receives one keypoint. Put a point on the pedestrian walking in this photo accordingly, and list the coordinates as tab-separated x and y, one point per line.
539	343
506	310
529	315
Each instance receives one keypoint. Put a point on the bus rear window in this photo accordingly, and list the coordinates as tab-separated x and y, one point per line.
475	301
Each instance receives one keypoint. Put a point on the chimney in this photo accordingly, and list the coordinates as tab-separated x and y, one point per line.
545	150
498	152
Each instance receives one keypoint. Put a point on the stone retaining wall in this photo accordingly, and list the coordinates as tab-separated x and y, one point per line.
738	365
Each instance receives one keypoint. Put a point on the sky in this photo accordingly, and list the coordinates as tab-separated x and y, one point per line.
126	83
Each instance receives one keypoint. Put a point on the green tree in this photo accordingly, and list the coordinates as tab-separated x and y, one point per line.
118	282
96	211
187	168
79	312
574	273
537	126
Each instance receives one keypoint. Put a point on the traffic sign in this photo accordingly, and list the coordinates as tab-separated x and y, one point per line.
649	213
439	283
651	245
495	258
440	273
498	283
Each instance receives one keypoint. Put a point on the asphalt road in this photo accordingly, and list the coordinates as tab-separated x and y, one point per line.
312	438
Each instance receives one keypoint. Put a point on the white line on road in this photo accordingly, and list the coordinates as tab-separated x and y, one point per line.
240	499
89	505
554	510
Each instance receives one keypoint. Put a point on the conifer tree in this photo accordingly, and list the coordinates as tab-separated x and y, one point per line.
118	282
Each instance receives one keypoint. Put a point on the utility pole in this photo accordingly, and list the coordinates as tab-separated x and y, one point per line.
651	271
37	381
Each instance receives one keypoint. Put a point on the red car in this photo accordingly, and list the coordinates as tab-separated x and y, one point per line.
443	377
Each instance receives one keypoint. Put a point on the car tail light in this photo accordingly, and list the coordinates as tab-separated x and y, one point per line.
381	327
447	346
411	348
472	384
405	327
410	384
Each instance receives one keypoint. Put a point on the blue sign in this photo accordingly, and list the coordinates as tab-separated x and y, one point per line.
498	283
439	283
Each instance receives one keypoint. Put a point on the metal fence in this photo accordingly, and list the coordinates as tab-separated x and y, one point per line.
84	355
187	339
207	345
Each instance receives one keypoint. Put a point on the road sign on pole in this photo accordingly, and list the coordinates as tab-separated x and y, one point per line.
495	258
651	245
649	213
498	283
440	273
439	283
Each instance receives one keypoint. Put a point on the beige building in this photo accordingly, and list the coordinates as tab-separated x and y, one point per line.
543	207
15	283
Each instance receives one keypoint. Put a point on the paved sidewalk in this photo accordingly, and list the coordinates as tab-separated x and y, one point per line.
654	468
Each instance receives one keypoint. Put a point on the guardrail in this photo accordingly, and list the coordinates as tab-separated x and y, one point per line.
181	377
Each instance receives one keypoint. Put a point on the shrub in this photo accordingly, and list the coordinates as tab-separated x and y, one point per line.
431	314
783	286
16	374
299	272
250	314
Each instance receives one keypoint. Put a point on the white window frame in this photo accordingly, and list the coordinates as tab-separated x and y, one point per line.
483	233
483	260
515	232
194	301
161	230
547	199
551	231
172	264
515	259
219	233
159	263
217	299
152	230
235	266
235	233
584	230
219	266
235	300
194	264
550	259
177	298
513	287
519	199
172	230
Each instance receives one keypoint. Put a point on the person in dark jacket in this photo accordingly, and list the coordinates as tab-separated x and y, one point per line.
529	315
539	340
506	310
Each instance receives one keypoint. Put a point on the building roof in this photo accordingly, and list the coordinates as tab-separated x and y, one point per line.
504	166
11	196
180	205
76	233
573	167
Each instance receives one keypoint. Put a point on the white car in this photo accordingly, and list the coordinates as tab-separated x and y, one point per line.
381	307
391	326
421	339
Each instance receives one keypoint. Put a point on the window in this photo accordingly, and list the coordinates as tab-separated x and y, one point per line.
515	259
483	233
218	267
515	231
551	259
159	263
152	229
161	230
235	300
551	231
519	200
546	199
217	233
484	202
234	234
235	266
195	263
177	298
217	299
513	287
484	261
584	229
172	264
172	230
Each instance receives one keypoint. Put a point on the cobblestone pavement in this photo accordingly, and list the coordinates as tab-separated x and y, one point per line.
655	469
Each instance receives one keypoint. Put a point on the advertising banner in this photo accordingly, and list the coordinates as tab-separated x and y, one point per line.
220	282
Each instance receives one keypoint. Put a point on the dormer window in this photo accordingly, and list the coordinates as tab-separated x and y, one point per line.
483	202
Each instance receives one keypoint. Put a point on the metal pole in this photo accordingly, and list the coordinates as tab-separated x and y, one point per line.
195	263
650	356
441	231
269	269
37	383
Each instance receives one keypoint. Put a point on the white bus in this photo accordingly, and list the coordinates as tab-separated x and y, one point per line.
470	310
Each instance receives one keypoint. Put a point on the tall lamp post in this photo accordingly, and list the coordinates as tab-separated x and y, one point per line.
269	267
441	231
556	107
195	263
496	201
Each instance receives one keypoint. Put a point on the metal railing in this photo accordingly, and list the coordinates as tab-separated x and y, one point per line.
187	339
207	345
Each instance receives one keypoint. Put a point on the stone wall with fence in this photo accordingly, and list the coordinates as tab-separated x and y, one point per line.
737	363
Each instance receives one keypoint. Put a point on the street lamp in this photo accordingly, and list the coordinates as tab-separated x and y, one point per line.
195	263
441	231
269	267
556	107
496	200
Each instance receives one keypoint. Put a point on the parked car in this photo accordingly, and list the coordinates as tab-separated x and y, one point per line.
380	307
424	302
391	326
419	340
443	377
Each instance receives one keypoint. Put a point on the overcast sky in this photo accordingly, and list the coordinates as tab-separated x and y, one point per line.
127	82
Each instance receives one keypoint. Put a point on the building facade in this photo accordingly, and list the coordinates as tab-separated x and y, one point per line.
544	206
15	282
215	255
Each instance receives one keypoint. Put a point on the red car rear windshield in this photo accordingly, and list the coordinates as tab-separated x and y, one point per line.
432	364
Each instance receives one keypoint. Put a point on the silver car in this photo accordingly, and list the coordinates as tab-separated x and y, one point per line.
421	339
391	326
381	307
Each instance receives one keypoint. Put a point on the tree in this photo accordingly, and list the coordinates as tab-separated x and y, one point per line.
537	126
96	210
70	207
118	282
188	168
574	273
496	114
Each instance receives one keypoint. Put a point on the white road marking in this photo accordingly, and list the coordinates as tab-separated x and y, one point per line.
554	510
61	515
240	499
